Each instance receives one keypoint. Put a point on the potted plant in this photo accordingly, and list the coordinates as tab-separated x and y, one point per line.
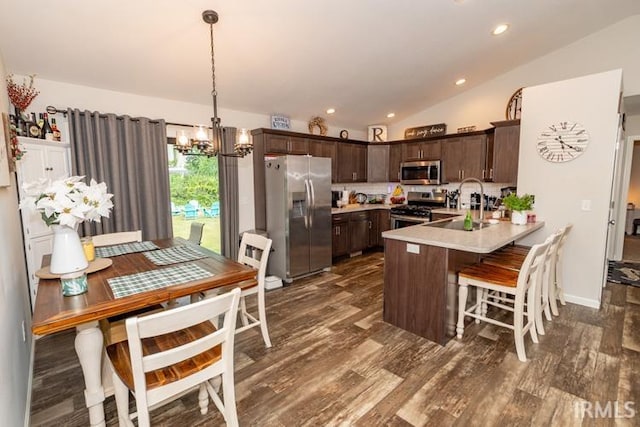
518	205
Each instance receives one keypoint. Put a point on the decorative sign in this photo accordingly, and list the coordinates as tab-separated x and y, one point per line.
425	131
278	121
377	133
467	129
344	134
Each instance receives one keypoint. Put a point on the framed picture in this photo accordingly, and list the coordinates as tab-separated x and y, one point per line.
5	152
279	121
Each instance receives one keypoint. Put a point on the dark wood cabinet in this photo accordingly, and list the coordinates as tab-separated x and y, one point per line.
321	148
359	224
352	162
384	224
340	238
422	150
281	144
377	163
278	142
502	156
464	157
356	231
395	159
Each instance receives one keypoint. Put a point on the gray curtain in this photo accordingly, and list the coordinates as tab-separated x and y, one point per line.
228	178
130	156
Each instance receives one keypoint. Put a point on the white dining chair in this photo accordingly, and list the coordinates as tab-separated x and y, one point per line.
168	353
521	285
254	252
195	232
116	238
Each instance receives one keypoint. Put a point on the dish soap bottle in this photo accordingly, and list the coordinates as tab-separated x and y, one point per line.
468	222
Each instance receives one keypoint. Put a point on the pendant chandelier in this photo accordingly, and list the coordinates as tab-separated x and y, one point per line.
207	141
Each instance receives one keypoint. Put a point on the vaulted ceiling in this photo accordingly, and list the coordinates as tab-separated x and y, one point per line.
365	58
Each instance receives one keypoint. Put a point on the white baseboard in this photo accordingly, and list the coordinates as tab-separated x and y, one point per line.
582	301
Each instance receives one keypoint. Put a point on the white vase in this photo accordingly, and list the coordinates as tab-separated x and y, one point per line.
519	217
68	256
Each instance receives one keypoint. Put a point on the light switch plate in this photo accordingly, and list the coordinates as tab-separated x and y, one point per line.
413	249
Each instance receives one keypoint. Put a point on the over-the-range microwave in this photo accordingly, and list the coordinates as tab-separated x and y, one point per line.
420	172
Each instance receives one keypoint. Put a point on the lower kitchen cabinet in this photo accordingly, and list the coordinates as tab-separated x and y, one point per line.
384	224
356	231
359	229
340	238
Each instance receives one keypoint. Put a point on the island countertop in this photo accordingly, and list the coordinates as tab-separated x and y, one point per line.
485	240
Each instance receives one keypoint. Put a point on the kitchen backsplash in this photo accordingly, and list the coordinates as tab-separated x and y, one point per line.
490	188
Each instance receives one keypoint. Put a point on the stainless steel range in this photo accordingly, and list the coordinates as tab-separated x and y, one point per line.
418	208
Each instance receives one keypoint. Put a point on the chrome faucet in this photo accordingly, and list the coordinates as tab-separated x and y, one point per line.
481	195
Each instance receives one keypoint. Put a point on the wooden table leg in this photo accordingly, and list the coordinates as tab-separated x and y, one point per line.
89	347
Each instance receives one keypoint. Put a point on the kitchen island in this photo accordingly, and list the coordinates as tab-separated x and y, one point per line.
421	267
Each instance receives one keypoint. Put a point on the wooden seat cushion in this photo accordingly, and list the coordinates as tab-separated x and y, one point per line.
491	274
512	261
515	249
119	355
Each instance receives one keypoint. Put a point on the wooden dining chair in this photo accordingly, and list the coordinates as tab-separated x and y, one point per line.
116	238
170	352
523	284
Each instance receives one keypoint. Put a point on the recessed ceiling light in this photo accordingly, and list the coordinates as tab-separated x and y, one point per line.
391	115
460	82
500	29
331	110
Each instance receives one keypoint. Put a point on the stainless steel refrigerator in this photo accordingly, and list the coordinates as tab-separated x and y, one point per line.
298	195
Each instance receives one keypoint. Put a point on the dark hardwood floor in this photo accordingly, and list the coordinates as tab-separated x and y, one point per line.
335	362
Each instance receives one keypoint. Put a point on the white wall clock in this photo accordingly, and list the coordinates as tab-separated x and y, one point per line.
562	141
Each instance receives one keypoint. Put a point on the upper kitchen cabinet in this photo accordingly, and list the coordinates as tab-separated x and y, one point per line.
395	159
279	142
502	155
464	157
378	163
422	150
323	148
352	162
285	144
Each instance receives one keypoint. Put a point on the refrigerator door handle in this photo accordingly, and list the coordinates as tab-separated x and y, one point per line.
313	203
308	194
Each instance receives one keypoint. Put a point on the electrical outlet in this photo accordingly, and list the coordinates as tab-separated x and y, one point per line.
24	333
586	205
413	249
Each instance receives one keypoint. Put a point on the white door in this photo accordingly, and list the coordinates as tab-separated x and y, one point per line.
57	162
618	202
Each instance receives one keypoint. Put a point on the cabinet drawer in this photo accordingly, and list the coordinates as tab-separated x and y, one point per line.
335	218
359	216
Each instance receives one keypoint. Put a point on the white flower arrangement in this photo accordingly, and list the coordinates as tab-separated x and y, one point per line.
68	201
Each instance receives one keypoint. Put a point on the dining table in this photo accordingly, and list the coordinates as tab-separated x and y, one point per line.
106	298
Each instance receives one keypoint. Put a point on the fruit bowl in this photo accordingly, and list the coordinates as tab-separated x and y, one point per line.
397	200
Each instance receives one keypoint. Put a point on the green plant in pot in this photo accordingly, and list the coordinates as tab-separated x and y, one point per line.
518	205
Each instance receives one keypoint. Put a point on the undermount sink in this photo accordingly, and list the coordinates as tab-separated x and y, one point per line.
457	224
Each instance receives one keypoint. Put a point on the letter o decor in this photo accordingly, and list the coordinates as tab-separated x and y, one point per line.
319	123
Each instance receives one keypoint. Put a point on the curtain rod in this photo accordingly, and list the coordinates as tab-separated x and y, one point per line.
53	110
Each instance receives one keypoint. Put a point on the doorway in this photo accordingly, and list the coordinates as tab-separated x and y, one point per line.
194	187
631	248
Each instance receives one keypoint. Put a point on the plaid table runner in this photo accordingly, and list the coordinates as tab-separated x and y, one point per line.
174	255
156	279
124	248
